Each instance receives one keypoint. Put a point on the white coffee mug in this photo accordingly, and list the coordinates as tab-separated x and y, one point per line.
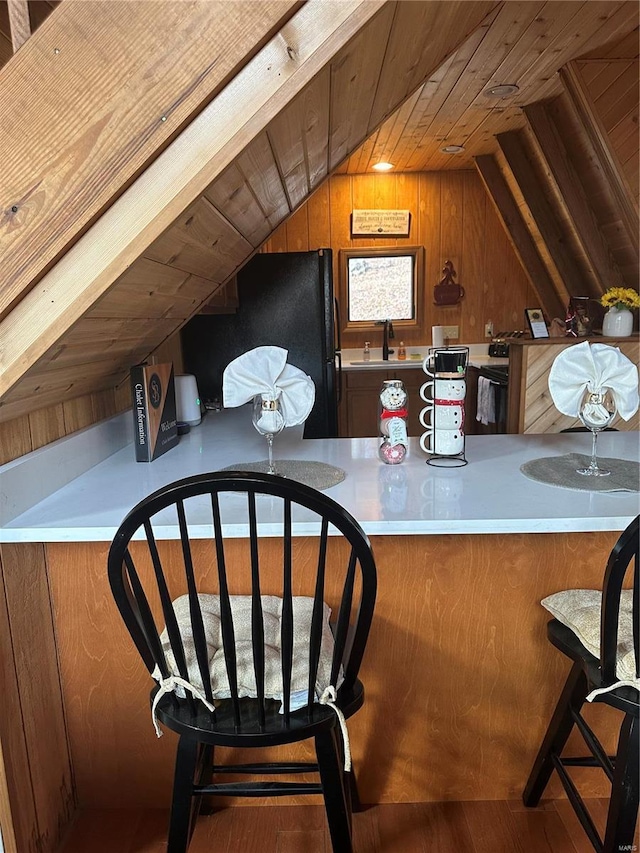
443	417
445	389
446	442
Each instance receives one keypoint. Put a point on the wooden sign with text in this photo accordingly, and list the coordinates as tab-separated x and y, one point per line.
380	223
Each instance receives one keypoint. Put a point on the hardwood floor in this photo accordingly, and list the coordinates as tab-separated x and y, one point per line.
470	827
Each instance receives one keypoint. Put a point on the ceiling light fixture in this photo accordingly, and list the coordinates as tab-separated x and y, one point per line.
382	167
502	90
452	149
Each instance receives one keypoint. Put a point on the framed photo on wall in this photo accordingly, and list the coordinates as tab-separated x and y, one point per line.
535	319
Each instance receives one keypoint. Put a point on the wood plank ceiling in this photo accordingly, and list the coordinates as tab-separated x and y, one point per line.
411	81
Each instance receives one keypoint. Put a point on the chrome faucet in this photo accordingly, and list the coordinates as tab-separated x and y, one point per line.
387	335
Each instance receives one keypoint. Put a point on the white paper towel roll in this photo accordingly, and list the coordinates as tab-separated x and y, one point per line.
437	336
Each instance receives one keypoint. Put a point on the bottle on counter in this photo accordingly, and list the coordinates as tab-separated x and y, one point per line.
392	418
366	352
402	352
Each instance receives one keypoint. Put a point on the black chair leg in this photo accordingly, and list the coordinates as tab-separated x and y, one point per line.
572	697
352	784
336	798
623	806
184	808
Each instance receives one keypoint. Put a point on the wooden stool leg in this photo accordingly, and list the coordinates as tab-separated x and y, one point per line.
572	697
333	789
623	806
183	808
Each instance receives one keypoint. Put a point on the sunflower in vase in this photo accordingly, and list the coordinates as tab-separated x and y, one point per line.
618	321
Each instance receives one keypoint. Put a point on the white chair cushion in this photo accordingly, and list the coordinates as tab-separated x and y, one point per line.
579	610
241	610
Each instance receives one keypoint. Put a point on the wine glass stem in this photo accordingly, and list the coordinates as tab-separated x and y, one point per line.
594	461
271	469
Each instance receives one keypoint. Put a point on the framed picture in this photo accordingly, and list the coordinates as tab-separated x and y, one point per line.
535	319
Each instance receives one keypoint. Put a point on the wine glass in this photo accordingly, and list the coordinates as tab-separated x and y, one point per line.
268	419
597	410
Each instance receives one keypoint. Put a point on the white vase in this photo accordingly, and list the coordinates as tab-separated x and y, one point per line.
617	323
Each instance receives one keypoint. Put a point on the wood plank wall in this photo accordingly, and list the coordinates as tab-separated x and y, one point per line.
614	87
451	216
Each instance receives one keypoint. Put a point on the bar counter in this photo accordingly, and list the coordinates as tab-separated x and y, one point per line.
460	679
488	495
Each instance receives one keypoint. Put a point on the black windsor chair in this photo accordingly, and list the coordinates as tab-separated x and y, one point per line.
599	672
145	580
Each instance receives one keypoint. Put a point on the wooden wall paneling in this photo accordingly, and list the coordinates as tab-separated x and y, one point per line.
46	425
363	197
450	249
170	350
354	77
407	63
297	229
140	291
231	194
41	397
73	136
574	196
622	99
524	170
150	290
455	615
15	438
103	405
319	207
39	690
519	236
474	283
78	413
583	108
201	242
18	817
259	167
430	230
298	138
495	240
390	132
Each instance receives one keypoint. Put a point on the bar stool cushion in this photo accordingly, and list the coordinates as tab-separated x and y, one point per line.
579	610
241	610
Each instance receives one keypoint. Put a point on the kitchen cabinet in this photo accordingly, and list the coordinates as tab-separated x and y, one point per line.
359	407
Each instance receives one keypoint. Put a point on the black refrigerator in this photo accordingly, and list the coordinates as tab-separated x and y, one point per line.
285	300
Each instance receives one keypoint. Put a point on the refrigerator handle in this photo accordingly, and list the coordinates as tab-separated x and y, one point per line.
339	376
337	326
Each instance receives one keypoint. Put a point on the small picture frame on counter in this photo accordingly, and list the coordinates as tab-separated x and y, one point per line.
537	325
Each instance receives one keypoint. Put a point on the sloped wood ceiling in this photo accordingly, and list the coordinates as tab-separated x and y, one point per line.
407	81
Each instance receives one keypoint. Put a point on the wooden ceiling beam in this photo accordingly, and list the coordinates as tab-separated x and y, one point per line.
19	23
184	170
519	236
93	97
596	139
525	173
573	195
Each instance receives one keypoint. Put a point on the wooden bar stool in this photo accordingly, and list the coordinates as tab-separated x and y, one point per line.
600	633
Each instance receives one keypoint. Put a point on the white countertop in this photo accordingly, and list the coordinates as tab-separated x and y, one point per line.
489	495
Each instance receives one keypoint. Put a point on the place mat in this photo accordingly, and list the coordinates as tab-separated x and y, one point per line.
561	471
318	475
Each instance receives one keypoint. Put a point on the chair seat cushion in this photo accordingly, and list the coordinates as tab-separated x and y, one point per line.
241	611
579	610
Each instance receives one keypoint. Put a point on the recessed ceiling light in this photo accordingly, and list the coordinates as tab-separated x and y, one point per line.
452	149
382	167
502	90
